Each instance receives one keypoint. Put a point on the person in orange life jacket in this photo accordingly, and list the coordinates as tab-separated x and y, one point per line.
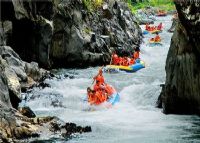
99	77
90	94
99	91
157	38
125	61
99	98
152	39
109	89
147	27
97	86
136	54
95	97
120	61
132	61
159	26
115	59
128	60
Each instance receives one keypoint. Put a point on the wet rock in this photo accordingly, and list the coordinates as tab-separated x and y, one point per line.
26	111
14	87
5	33
173	26
73	128
181	92
7	122
43	85
19	74
32	69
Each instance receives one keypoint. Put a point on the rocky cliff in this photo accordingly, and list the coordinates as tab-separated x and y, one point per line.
181	92
69	33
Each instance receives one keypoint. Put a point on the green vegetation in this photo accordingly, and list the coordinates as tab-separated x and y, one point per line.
161	4
91	5
87	30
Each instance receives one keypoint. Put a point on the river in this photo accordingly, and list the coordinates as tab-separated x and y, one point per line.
135	119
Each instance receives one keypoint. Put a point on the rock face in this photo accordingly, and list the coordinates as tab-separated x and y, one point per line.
181	93
19	74
9	128
68	33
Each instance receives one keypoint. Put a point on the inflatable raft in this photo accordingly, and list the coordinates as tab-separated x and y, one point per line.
162	14
152	32
132	68
113	99
152	42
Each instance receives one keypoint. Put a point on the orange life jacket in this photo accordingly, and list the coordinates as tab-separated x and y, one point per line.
91	97
120	60
115	59
100	78
99	98
147	27
109	89
132	61
159	26
136	54
157	38
97	87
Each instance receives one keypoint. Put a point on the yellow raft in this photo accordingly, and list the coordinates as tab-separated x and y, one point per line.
132	68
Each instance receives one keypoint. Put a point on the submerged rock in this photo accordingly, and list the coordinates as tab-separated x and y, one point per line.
181	93
73	128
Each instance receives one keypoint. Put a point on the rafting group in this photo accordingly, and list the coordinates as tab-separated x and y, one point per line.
101	92
153	29
125	61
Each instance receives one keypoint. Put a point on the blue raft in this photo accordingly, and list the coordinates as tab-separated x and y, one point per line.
113	99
